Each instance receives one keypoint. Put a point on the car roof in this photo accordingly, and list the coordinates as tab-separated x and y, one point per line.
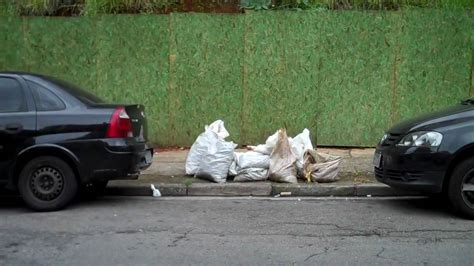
21	73
27	74
76	92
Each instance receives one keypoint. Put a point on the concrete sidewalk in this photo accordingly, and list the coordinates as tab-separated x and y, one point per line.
168	174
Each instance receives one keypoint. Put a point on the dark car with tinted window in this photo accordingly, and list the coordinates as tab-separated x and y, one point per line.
434	154
56	138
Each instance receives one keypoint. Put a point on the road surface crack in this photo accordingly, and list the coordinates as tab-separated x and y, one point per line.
379	255
184	236
326	249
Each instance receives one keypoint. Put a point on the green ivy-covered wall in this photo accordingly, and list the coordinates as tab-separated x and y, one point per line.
345	75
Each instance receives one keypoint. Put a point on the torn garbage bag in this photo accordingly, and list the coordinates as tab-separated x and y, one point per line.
282	161
298	144
201	144
321	167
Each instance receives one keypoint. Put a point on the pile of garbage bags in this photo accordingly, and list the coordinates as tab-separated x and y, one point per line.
280	159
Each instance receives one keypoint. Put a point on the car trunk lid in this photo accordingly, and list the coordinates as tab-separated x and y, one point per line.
137	116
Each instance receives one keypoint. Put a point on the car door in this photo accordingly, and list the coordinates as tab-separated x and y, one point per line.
17	121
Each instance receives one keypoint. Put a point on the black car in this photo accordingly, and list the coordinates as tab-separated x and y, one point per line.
56	138
432	154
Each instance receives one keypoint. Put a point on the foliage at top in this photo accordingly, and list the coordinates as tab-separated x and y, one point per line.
92	7
353	4
284	4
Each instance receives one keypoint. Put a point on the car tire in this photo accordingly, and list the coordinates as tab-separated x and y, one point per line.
462	201
47	183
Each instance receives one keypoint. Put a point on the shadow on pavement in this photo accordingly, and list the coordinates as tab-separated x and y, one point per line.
429	206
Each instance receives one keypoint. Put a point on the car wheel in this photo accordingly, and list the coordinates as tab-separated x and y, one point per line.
461	188
47	184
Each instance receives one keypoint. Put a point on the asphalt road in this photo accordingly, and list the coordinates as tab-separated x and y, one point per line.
183	231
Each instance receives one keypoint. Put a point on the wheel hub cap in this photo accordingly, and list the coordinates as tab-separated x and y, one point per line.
46	183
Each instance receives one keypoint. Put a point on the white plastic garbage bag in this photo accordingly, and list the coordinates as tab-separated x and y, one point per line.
249	166
266	148
218	128
197	151
282	161
251	174
299	145
233	170
201	144
216	159
321	167
252	159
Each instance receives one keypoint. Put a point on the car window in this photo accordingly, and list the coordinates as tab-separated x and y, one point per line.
11	96
45	99
81	94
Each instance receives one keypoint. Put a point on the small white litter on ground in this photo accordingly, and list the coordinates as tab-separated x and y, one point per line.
156	192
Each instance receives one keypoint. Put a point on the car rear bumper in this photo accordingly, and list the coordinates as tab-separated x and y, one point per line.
119	160
411	168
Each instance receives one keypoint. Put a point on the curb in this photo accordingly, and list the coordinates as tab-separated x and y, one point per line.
230	189
260	189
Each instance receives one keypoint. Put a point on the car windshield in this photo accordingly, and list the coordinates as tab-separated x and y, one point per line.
81	94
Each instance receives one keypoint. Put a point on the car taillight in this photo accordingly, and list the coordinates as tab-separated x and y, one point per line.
120	124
